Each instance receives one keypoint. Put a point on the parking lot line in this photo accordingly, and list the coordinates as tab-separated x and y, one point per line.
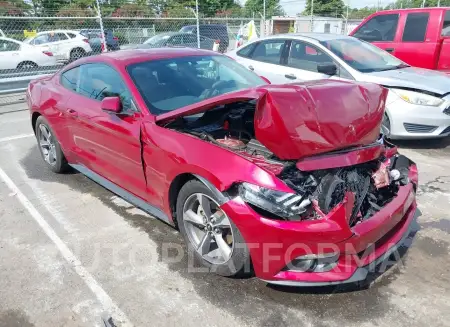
15	137
107	303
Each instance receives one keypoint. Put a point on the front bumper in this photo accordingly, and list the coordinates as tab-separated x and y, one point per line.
409	121
274	244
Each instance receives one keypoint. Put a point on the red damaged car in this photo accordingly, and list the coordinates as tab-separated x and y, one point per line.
290	182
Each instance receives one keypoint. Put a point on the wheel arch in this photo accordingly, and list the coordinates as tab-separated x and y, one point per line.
26	62
34	118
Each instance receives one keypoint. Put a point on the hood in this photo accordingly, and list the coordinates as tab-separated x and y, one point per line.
303	120
300	120
411	77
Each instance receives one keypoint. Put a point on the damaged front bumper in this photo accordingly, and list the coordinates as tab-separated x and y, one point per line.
274	245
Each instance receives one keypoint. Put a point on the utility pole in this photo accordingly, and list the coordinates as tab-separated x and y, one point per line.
423	3
264	10
102	31
439	3
312	13
198	23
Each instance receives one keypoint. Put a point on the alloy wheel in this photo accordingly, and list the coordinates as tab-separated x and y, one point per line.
47	145
208	228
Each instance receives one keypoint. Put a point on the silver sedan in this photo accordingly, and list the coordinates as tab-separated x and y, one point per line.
418	104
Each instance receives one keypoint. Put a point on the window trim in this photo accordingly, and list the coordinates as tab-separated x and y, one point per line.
426	27
273	40
133	101
378	15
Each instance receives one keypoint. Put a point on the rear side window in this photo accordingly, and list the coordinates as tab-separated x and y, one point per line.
416	27
246	51
71	35
269	51
379	28
69	79
446	27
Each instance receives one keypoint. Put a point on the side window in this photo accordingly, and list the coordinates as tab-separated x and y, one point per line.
246	51
175	40
99	81
61	36
306	57
41	39
8	46
416	27
379	28
269	51
191	38
446	26
70	78
71	35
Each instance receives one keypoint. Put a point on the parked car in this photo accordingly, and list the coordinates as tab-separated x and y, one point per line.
177	39
418	103
242	168
419	36
211	31
66	45
95	39
19	55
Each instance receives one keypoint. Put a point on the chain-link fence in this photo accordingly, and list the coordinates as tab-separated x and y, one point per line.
32	46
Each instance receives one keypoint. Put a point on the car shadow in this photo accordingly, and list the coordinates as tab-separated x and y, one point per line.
441	143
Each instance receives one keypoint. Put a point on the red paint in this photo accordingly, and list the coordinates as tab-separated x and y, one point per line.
432	53
112	104
295	121
356	156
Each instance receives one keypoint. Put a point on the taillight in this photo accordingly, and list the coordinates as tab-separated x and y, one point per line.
48	53
115	38
86	40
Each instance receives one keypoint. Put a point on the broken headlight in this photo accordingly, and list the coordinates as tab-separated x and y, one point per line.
283	205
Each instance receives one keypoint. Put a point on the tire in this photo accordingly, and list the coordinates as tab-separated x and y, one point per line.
27	65
386	126
51	152
77	53
238	264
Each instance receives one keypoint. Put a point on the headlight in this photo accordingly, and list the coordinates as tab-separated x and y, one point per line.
284	205
418	98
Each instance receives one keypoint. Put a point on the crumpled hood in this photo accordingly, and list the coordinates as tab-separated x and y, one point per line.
301	120
411	77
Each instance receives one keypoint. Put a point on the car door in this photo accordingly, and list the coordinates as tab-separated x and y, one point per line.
265	60
61	45
108	144
381	30
175	41
10	54
444	55
302	60
419	44
190	40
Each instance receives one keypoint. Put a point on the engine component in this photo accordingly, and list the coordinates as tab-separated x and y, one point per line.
255	147
231	143
331	192
381	176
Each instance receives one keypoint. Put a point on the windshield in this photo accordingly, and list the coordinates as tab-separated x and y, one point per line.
174	83
157	39
363	56
28	39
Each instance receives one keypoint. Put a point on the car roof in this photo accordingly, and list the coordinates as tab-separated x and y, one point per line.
318	37
409	10
132	56
58	31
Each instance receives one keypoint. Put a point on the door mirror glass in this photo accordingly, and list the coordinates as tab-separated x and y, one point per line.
265	79
327	68
112	104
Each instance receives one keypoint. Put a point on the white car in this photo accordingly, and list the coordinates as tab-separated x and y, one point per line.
66	45
18	55
418	103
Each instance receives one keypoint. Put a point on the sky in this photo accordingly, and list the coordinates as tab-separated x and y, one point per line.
293	7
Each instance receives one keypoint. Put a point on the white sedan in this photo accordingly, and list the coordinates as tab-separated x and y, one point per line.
18	55
418	104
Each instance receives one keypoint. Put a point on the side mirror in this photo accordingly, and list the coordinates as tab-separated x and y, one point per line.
327	68
112	104
265	79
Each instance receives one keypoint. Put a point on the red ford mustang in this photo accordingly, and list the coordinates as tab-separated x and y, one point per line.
290	182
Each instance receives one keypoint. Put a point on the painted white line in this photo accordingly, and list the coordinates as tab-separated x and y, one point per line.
109	306
15	137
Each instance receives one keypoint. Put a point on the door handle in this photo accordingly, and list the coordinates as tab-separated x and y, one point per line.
251	68
290	76
390	50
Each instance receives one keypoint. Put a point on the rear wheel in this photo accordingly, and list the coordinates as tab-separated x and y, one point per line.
49	147
77	54
27	65
211	236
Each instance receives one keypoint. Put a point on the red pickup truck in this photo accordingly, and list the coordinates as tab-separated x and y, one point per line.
419	37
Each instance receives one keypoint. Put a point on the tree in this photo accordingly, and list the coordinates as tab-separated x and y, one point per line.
255	7
330	8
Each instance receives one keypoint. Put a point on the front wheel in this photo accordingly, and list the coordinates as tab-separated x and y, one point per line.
49	147
211	236
77	54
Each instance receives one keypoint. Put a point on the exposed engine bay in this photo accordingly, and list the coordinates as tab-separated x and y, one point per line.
374	183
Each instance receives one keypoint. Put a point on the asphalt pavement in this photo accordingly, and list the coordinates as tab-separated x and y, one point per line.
71	253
